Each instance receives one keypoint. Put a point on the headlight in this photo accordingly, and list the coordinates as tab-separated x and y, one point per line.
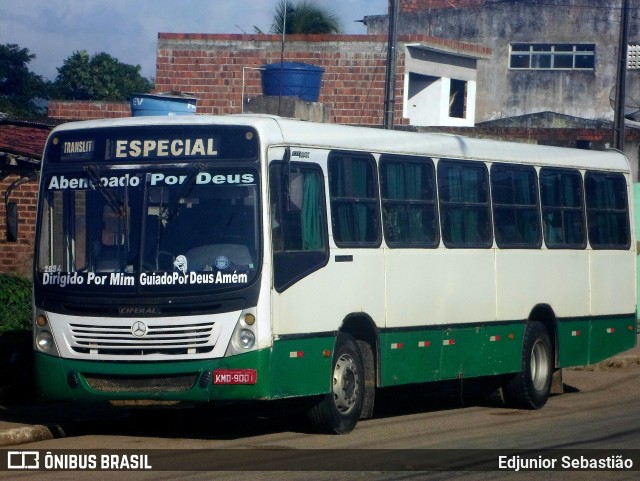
44	341
244	334
246	339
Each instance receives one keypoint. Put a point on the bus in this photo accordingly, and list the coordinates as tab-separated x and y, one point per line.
253	258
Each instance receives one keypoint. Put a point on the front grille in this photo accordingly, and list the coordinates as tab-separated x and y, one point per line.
142	384
118	340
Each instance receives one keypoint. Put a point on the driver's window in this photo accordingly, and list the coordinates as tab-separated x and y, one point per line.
298	221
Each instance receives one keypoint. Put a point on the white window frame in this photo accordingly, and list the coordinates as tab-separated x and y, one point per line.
552	51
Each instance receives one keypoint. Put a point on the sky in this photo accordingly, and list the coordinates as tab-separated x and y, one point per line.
128	29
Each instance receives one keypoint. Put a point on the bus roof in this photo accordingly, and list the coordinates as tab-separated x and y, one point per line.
282	131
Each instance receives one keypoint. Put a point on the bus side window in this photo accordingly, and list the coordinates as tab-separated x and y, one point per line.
516	216
409	208
607	210
463	189
563	218
298	222
355	208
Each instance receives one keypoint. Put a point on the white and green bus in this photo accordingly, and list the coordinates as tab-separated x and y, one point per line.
241	258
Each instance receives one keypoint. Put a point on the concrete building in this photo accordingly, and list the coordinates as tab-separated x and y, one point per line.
556	55
552	70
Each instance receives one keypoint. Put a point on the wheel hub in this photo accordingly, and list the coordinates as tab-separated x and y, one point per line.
345	384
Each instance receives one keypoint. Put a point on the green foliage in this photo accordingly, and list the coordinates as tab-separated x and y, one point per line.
100	77
18	86
304	17
15	303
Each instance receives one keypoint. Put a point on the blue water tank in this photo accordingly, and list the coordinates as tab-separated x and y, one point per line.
292	79
162	104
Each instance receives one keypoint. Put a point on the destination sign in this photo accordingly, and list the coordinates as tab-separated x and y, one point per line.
163	148
149	143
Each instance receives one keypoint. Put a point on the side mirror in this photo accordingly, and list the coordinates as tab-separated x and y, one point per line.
12	221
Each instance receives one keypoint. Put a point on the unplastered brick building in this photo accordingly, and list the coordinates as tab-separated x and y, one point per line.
21	144
223	71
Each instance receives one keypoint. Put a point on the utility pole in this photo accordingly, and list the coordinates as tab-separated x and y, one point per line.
284	28
619	120
392	56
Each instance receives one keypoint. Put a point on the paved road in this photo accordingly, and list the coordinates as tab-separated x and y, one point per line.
599	411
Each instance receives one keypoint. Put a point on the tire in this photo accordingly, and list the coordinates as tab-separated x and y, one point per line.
338	412
530	388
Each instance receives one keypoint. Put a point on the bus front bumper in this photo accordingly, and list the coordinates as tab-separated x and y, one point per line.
242	377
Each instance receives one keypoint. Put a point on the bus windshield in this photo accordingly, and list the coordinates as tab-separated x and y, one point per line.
165	229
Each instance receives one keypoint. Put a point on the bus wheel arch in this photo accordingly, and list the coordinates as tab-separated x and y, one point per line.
362	328
544	314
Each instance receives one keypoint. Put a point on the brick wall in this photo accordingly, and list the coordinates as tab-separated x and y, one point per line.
86	110
220	69
16	257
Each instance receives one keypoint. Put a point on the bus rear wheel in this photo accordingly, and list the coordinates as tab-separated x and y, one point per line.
530	388
339	411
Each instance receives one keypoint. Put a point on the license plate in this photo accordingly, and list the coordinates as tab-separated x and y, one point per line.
235	376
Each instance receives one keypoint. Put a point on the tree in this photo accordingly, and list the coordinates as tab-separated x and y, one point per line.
304	17
19	87
100	77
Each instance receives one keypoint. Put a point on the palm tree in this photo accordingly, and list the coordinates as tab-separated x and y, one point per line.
304	17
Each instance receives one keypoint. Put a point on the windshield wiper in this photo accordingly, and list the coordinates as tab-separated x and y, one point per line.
116	205
186	189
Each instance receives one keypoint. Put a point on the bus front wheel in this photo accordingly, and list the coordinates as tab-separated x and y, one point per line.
339	411
529	389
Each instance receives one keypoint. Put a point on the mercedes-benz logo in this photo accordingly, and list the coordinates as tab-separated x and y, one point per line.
139	329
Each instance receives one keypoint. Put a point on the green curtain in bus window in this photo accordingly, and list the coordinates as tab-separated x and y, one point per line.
473	187
420	188
454	215
299	233
562	208
344	228
360	178
450	191
471	226
415	176
355	222
572	190
311	220
361	218
393	181
524	187
416	224
548	192
337	179
408	193
354	200
607	210
465	208
515	206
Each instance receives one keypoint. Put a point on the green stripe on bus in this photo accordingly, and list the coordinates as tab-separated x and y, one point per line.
301	366
453	352
585	341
